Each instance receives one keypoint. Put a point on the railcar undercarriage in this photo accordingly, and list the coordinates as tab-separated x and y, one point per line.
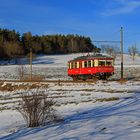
99	76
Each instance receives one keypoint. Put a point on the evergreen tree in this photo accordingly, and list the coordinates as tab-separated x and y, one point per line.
12	44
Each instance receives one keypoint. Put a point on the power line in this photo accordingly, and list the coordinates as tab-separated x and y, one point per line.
121	46
103	41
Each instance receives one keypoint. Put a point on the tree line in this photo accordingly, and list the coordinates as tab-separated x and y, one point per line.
14	45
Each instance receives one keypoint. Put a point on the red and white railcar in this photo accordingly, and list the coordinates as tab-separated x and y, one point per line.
89	67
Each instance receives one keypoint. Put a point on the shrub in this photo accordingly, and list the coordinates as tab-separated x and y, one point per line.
37	108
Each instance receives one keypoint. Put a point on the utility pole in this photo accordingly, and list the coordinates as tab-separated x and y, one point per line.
30	63
121	46
121	42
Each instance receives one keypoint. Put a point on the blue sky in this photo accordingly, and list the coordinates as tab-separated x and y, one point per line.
98	19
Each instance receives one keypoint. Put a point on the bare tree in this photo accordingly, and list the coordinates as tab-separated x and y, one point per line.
21	71
103	48
110	49
133	51
37	108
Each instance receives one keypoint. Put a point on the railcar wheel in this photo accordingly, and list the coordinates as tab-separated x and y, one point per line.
105	76
94	78
74	78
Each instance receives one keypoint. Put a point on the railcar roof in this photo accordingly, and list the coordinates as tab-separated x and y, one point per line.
98	56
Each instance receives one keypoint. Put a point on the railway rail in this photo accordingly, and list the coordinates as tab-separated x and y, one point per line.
67	81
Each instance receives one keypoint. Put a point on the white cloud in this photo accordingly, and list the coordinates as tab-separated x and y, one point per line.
124	7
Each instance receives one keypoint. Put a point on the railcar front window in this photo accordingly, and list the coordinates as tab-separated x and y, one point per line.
109	63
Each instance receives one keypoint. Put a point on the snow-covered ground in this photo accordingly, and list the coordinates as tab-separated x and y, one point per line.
86	115
91	111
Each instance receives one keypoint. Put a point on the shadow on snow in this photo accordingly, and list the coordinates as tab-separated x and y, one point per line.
120	108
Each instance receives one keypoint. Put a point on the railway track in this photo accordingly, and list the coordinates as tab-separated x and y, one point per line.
67	81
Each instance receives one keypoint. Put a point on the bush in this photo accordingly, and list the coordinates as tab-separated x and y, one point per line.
37	108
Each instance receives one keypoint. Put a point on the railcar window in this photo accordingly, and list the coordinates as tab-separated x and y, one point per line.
75	64
80	64
89	64
86	64
101	63
71	65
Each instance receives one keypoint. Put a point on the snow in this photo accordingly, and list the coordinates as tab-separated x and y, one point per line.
82	120
113	120
86	116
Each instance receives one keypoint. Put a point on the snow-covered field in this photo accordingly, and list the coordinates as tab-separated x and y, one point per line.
55	67
91	111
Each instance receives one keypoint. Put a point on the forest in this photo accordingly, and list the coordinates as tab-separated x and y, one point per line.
16	45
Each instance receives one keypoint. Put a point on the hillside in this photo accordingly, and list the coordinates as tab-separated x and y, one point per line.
55	66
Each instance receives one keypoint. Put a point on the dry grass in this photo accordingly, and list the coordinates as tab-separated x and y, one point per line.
22	86
122	81
10	87
85	94
34	78
6	87
87	101
107	99
1	83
